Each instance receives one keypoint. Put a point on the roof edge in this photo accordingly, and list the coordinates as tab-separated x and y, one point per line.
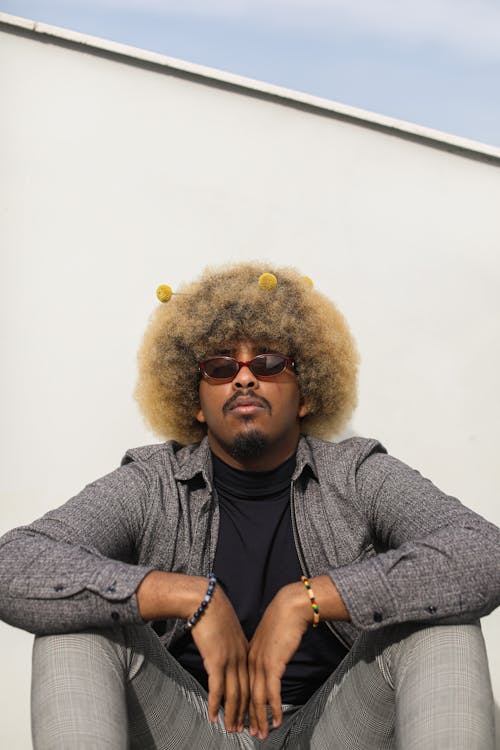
255	87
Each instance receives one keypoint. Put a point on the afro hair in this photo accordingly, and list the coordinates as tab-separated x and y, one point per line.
227	305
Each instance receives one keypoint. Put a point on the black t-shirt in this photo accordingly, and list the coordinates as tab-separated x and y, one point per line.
255	557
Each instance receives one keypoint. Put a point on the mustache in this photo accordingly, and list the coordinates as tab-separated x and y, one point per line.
244	394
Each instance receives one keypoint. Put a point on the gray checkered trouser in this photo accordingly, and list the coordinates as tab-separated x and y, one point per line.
405	687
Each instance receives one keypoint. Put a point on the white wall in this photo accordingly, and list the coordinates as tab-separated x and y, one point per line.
115	178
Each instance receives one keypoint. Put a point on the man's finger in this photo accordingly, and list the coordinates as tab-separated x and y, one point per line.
232	695
244	696
258	717
274	699
215	693
259	704
252	719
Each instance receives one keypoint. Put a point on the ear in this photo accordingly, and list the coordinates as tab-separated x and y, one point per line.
200	417
303	410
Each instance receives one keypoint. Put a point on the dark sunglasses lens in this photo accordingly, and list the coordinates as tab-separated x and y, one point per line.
268	364
221	368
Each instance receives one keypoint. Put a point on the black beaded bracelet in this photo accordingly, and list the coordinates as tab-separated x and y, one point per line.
212	581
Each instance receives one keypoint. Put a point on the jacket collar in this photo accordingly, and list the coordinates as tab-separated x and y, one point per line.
305	458
199	461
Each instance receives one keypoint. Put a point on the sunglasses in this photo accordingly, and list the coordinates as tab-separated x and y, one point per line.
225	369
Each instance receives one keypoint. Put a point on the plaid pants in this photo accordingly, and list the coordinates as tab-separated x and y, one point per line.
402	687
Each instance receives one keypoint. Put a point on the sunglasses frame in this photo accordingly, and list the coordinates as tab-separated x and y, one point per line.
287	362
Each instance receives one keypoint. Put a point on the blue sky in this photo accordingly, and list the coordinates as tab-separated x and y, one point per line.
432	62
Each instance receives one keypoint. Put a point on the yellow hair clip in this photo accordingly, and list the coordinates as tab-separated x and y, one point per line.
268	281
164	292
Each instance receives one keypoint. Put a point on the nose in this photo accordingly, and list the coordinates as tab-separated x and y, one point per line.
245	379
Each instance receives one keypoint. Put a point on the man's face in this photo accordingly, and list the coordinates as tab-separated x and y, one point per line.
251	423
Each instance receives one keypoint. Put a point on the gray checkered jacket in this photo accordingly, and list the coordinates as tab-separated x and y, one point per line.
397	548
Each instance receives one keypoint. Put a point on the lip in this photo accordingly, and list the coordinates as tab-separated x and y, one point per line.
246	405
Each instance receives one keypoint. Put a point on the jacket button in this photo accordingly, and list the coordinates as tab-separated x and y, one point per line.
377	616
59	587
115	616
432	609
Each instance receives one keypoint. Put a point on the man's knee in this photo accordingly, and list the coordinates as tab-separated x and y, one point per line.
78	690
408	646
86	651
437	645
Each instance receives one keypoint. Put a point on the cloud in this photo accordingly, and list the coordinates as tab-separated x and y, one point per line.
470	27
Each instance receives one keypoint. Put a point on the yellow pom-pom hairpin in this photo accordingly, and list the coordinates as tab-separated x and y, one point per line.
268	281
164	292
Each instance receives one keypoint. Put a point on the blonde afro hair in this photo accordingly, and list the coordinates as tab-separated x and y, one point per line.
227	305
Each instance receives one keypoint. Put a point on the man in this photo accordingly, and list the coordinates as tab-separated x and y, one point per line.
261	587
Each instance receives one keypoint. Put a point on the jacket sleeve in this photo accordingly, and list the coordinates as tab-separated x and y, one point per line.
430	559
76	567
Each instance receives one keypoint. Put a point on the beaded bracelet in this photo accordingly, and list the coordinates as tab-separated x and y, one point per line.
314	604
191	621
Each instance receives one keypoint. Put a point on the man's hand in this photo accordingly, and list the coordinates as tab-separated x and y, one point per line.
223	648
217	635
275	641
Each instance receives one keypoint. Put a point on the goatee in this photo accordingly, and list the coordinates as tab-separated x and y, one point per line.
251	444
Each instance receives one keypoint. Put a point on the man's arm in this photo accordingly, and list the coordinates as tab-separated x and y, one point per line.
217	634
437	560
76	566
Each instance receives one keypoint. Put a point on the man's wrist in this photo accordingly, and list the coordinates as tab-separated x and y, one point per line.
294	598
329	602
162	595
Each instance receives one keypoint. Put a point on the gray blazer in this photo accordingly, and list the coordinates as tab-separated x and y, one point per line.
397	548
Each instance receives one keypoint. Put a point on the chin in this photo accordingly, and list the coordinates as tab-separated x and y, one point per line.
249	444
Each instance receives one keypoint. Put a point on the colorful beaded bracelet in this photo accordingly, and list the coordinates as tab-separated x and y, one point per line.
191	621
314	604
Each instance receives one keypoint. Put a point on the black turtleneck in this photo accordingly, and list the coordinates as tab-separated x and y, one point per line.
255	557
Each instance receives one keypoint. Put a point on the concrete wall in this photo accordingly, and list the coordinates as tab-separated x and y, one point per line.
118	176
